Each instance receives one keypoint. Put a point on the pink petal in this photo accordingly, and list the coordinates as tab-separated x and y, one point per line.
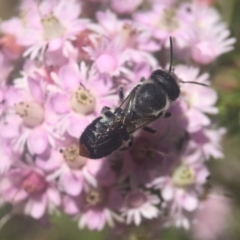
54	196
20	195
70	206
202	175
190	203
102	171
38	206
10	127
12	25
60	103
203	52
115	199
167	193
196	120
35	90
94	166
106	63
77	125
50	163
14	96
71	183
95	218
55	44
69	74
37	142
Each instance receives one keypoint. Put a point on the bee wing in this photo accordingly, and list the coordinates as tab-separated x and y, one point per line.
139	121
128	102
124	110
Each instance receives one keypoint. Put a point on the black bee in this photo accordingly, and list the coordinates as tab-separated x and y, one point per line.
149	100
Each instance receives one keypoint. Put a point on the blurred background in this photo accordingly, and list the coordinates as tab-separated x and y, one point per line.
225	173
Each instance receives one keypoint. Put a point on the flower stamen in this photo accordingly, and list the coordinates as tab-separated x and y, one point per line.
82	101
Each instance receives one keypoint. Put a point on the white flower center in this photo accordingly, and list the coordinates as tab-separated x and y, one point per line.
183	176
52	27
82	101
32	113
168	20
72	157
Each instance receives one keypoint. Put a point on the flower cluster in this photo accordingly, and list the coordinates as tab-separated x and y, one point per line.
74	56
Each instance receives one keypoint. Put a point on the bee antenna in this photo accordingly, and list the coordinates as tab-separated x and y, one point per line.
202	84
171	55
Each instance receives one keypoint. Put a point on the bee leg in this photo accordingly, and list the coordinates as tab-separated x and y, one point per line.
148	129
130	144
167	115
105	109
120	94
142	79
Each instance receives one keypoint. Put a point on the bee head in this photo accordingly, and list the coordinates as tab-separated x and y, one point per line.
169	80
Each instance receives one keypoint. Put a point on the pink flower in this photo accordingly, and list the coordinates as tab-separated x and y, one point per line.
182	188
211	220
165	21
108	57
144	161
208	142
29	188
128	34
193	104
125	6
26	120
7	157
5	69
50	25
80	97
211	37
140	204
193	94
73	171
96	206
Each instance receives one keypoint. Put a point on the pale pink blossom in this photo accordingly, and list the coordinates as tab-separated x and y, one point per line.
212	218
208	142
165	21
95	207
210	38
128	34
29	188
7	157
146	158
73	171
125	6
50	26
196	100
182	188
79	98
108	57
26	121
140	204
